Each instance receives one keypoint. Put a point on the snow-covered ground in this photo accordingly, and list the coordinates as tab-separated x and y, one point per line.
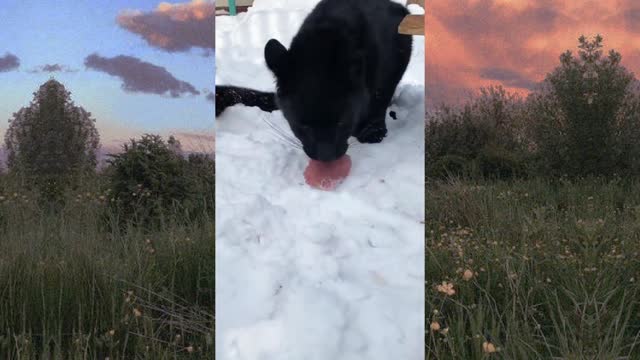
302	273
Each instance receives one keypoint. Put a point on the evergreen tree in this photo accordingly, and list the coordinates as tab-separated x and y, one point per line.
51	139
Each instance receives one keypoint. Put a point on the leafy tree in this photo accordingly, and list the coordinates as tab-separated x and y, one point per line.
149	179
51	139
586	114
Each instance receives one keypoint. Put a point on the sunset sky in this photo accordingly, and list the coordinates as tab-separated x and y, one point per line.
515	43
137	66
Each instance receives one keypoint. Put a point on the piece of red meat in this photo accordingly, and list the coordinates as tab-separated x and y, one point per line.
327	175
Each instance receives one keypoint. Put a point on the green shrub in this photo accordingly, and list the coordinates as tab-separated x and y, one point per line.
481	138
498	163
449	166
151	178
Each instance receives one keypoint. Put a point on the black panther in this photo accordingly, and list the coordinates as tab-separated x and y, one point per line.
338	76
227	96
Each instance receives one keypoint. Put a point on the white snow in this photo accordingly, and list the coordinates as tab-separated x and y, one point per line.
302	273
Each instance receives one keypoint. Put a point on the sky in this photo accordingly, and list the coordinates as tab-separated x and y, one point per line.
137	66
516	43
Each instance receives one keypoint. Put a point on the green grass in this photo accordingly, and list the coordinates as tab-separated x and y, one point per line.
72	286
553	269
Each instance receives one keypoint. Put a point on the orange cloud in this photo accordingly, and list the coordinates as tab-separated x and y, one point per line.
174	27
516	43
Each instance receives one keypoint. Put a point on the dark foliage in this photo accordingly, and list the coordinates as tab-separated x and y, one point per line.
51	142
584	120
151	178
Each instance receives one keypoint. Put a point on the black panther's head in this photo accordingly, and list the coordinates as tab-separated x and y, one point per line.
320	89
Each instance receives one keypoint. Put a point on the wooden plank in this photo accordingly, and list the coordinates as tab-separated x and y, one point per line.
412	25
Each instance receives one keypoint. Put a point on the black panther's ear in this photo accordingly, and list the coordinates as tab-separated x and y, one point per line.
276	56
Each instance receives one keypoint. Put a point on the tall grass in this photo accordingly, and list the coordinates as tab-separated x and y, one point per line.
533	269
77	284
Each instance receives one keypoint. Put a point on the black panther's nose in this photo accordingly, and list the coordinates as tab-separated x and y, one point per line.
326	152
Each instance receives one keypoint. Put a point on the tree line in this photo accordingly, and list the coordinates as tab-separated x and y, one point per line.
582	120
52	147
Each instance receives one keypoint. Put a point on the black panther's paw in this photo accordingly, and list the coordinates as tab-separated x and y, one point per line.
372	135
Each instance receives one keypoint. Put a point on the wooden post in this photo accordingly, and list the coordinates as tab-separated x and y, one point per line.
412	25
232	7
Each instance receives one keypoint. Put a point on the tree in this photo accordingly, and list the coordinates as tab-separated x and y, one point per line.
148	178
51	139
581	115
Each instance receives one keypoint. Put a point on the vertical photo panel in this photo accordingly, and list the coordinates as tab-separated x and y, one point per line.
320	179
106	180
532	163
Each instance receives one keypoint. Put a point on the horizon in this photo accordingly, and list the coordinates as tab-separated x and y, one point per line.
478	43
138	68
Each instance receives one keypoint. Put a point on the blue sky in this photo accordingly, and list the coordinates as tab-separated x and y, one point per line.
65	32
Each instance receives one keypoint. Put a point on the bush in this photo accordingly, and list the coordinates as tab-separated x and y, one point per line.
482	138
449	166
151	179
498	163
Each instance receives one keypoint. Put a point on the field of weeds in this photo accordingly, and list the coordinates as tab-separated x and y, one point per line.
80	282
533	269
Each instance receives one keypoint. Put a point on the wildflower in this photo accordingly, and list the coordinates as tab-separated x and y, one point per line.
468	275
189	349
446	288
137	313
435	326
488	347
112	332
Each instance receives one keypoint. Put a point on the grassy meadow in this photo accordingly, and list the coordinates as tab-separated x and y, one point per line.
80	282
533	269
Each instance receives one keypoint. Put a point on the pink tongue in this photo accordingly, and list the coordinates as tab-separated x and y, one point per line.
327	175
